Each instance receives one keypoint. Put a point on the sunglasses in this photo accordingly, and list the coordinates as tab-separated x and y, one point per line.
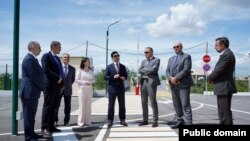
146	52
176	47
116	55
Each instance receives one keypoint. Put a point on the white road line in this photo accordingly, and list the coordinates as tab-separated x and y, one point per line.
235	110
141	134
2	108
66	135
102	133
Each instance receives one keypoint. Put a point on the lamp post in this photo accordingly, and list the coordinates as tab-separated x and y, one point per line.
107	40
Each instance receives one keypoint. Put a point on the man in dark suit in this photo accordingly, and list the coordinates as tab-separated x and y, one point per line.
53	75
115	75
30	90
178	73
223	80
69	78
149	82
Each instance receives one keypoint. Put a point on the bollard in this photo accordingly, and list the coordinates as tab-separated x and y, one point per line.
137	88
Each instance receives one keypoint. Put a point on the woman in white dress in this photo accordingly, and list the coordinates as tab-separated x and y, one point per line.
85	78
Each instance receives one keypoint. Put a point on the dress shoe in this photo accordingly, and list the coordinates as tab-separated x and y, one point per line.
155	124
37	136
110	124
177	125
46	132
173	122
143	123
123	123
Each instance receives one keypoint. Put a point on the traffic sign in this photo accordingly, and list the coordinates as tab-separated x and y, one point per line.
206	67
206	58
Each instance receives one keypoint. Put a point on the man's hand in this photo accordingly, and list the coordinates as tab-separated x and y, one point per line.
123	78
116	76
87	83
59	81
174	81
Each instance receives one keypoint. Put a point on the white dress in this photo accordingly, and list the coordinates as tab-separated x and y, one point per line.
85	93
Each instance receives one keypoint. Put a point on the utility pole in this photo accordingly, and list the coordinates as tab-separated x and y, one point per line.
204	71
86	49
15	66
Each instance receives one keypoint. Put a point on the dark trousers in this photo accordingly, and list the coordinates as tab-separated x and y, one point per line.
67	107
51	96
111	107
224	109
29	113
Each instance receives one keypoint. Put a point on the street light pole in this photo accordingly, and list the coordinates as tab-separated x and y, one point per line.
107	40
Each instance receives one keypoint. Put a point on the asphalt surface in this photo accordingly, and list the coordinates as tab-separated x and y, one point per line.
203	107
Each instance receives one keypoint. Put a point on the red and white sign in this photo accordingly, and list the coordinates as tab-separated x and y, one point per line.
206	58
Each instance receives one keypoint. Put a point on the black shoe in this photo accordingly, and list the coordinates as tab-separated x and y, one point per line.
155	124
37	136
46	132
110	124
173	122
177	125
143	123
123	123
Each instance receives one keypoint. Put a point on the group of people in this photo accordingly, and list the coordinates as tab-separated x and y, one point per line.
55	79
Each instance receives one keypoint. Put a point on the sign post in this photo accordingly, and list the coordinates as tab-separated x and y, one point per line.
206	67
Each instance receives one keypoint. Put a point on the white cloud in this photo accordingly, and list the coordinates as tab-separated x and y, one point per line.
184	20
85	2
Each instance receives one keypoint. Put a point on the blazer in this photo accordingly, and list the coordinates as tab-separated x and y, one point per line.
151	71
69	80
222	76
115	85
183	69
32	78
51	70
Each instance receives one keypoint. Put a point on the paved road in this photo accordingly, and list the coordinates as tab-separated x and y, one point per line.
204	112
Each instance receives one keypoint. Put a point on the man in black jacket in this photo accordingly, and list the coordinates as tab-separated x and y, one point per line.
223	79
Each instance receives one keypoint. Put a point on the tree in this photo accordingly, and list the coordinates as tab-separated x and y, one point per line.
100	82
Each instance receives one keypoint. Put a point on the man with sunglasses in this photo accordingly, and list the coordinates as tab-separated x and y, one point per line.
115	75
149	82
179	76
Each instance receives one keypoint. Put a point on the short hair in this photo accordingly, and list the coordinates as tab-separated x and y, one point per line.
66	54
53	43
32	44
150	48
223	40
114	52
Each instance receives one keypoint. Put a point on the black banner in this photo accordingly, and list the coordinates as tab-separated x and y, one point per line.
199	132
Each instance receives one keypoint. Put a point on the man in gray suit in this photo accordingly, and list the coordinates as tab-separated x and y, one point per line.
223	80
149	82
179	76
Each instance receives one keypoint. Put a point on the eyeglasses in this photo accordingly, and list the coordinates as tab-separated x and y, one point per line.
116	55
146	52
176	47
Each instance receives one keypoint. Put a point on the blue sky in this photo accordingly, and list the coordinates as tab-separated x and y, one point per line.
159	24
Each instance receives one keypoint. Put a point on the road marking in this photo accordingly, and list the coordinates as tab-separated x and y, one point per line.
2	108
102	133
141	134
66	134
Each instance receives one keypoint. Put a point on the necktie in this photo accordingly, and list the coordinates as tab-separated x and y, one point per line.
148	61
65	70
117	67
59	65
176	60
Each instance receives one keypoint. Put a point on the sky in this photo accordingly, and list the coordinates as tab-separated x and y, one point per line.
142	23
